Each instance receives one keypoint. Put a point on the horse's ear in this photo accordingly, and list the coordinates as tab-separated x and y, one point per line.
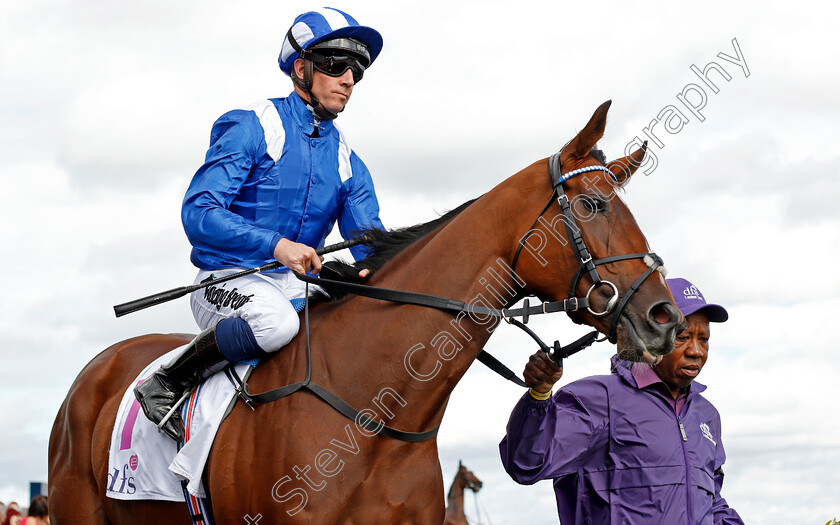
624	167
580	146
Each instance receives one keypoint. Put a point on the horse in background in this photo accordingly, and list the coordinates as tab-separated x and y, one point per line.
298	460
464	479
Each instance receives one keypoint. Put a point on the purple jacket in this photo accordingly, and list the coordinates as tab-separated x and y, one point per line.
619	454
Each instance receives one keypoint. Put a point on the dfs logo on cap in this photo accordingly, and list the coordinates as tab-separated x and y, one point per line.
692	293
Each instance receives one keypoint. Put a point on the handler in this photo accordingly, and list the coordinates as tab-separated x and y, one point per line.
277	176
638	446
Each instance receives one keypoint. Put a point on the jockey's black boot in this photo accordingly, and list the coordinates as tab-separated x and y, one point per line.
159	393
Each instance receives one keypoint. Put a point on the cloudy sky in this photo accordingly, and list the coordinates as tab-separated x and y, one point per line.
105	111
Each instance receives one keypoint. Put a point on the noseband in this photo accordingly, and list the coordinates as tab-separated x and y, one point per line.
586	265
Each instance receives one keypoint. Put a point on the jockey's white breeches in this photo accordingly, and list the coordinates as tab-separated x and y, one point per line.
260	299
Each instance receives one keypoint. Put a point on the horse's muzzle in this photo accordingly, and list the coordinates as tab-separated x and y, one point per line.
648	339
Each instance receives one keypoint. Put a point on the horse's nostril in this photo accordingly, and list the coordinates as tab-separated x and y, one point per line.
660	314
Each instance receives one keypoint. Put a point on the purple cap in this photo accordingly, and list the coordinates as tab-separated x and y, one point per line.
689	300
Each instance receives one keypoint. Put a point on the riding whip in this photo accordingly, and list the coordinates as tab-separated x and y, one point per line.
162	297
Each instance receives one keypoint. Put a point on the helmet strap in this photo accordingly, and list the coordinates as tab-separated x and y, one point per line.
305	83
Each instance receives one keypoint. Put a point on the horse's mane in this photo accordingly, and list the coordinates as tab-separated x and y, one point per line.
382	246
385	244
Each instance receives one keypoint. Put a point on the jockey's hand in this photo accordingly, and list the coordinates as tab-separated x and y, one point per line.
364	273
297	257
542	372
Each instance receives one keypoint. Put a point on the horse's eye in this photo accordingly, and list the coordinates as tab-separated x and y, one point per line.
591	204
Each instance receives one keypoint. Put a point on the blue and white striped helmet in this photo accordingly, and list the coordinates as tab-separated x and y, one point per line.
323	24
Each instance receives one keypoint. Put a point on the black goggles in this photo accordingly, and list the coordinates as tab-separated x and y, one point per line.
336	65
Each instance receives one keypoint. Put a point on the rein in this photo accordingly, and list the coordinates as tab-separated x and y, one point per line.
451	305
572	304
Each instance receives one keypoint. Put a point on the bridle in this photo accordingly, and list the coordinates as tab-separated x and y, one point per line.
586	265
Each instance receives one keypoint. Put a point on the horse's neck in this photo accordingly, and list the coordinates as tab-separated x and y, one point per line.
464	262
455	498
406	360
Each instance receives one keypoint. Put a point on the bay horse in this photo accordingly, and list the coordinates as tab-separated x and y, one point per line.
297	460
464	479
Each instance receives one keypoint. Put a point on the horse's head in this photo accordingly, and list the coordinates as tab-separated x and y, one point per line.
469	479
587	234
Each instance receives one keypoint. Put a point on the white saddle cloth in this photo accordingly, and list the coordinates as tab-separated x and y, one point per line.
144	463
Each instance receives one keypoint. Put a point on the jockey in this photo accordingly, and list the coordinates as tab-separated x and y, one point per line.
277	177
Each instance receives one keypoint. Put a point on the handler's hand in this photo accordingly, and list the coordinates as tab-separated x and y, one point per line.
298	257
542	372
364	273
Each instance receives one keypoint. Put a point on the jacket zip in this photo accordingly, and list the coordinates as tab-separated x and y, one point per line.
688	500
683	443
